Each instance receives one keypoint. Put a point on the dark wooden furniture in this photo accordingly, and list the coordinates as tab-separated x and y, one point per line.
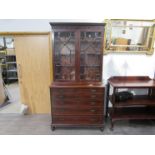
77	93
139	107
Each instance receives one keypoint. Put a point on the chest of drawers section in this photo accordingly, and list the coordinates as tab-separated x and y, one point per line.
77	107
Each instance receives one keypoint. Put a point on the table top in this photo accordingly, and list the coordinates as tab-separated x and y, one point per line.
131	82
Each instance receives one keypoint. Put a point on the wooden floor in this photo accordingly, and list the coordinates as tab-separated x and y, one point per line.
40	125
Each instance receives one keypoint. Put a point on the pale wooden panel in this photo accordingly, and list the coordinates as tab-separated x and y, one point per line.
33	59
2	95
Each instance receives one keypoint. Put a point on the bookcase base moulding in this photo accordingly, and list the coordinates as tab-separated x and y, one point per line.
77	93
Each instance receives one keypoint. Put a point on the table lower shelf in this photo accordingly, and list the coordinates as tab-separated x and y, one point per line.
134	113
139	100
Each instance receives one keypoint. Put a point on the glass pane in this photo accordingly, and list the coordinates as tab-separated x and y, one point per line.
129	35
9	42
2	44
90	56
6	42
64	47
90	73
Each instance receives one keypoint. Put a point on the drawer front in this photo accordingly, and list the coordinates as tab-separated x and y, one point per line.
70	103
77	99
77	91
76	96
78	120
80	95
77	111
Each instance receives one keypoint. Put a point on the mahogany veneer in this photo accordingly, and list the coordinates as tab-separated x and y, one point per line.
77	93
77	106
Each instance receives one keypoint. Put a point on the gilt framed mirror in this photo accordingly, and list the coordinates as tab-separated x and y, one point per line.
129	36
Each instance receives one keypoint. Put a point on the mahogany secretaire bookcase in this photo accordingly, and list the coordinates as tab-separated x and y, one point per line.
77	93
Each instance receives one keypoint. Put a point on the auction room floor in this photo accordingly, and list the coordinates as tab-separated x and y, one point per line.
14	96
40	125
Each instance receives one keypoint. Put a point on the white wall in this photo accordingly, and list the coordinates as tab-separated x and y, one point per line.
24	25
114	64
128	64
33	24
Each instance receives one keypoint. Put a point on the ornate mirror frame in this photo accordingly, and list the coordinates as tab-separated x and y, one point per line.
123	45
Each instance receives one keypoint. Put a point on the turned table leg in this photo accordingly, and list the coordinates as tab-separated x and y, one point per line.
52	128
111	124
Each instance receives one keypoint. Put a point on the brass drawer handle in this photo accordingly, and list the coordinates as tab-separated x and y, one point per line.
61	96
93	119
93	90
92	110
92	103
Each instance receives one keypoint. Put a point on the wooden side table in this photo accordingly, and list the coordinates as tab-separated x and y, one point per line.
140	107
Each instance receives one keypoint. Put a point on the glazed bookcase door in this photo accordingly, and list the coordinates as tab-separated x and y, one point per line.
64	56
90	56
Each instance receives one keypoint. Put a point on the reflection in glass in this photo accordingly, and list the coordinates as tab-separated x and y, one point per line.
64	47
90	56
9	42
